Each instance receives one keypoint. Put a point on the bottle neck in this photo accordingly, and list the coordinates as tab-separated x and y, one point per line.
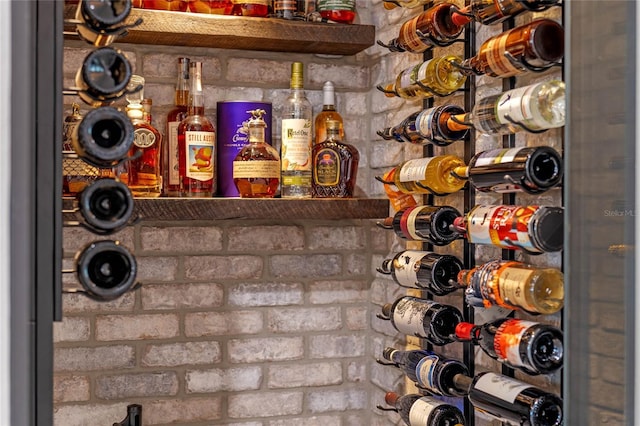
196	94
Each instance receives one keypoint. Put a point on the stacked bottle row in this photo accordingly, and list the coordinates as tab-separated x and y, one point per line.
515	341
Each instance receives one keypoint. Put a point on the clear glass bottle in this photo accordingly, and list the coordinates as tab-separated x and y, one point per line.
437	74
335	165
297	139
432	27
424	223
256	8
489	12
431	125
415	409
170	157
531	347
341	11
256	168
538	106
437	175
539	43
196	142
423	318
424	270
514	285
328	113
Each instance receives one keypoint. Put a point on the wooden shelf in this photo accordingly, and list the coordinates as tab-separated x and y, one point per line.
246	33
165	209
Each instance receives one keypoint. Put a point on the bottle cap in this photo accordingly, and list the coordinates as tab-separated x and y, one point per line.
297	75
459	225
387	353
391	398
464	330
386	310
460	19
547	228
328	93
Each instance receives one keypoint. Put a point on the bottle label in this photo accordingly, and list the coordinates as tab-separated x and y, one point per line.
199	147
504	226
517	105
143	138
408	223
502	387
409	34
173	153
296	144
508	338
425	372
497	156
327	5
512	283
405	268
409	314
496	58
256	169
421	410
279	5
327	167
426	122
414	170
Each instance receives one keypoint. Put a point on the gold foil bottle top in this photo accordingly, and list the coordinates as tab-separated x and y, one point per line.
297	75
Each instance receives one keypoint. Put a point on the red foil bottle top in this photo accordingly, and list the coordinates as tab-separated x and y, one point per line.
459	225
391	398
460	19
464	330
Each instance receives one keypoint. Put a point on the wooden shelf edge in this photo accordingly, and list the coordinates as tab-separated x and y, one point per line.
245	33
206	209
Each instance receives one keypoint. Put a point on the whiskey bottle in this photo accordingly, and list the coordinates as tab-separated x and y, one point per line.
530	169
430	371
105	269
341	11
489	12
335	165
211	7
512	401
106	205
443	174
423	318
142	173
196	143
534	108
435	77
531	47
98	20
433	27
431	125
433	224
528	346
171	5
328	113
533	229
256	168
285	9
76	173
409	4
514	285
297	139
170	157
103	77
418	410
256	8
424	270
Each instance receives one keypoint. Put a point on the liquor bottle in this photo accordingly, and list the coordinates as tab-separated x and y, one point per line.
196	143
103	137
423	318
489	12
285	9
513	401
433	224
341	11
434	77
328	113
170	157
106	205
335	165
431	125
530	47
424	270
98	20
297	138
105	269
533	229
514	285
256	8
409	4
433	27
142	173
430	371
213	7
171	5
530	169
418	410
256	168
528	346
534	108
134	416
103	76
76	173
443	174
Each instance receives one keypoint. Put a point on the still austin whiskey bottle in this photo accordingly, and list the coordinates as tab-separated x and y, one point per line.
433	224
415	409
335	165
196	143
431	125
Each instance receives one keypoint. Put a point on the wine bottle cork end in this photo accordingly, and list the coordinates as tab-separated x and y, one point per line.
391	398
464	330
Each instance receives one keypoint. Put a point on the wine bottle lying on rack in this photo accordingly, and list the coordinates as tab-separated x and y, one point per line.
418	410
103	77
430	371
431	125
423	318
431	175
528	346
106	205
424	270
514	285
512	401
433	224
98	21
494	12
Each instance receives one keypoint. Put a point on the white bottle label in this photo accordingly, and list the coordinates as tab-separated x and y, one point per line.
296	144
174	172
497	156
406	268
424	122
411	223
409	314
424	372
502	387
421	410
517	105
257	169
414	170
508	338
200	150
